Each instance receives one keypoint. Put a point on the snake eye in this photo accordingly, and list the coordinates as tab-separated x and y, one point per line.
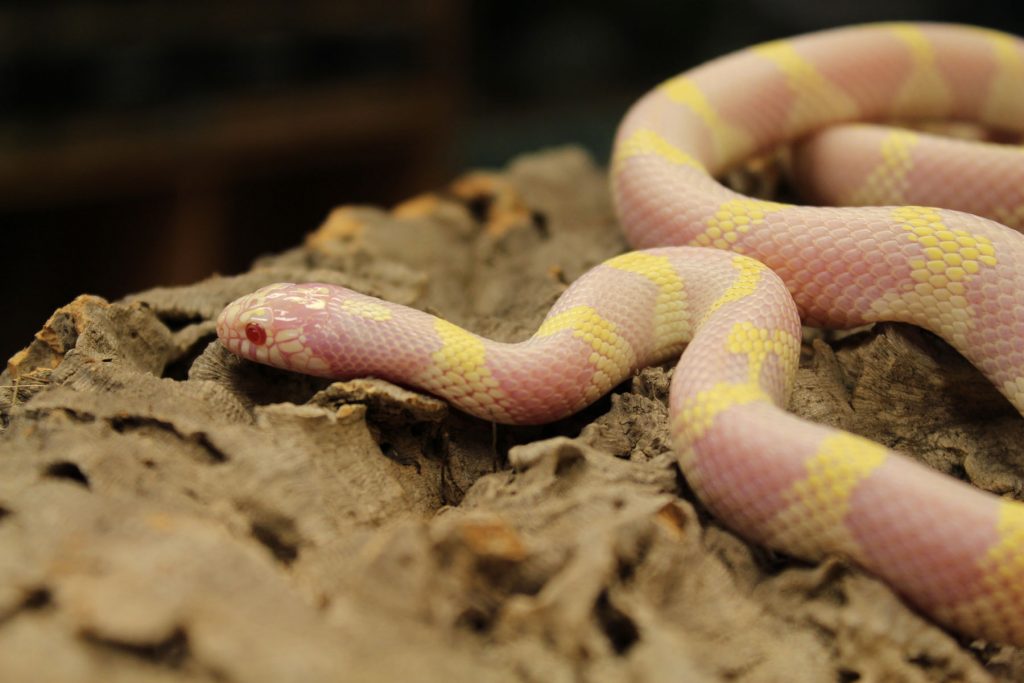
255	333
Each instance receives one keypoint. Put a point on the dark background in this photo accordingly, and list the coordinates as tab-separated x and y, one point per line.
146	143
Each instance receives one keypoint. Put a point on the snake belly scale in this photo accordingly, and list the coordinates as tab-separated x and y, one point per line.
730	278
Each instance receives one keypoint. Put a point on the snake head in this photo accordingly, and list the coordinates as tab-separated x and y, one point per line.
272	326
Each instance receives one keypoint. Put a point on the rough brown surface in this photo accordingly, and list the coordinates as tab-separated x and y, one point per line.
171	513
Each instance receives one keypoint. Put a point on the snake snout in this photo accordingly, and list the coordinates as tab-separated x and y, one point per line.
246	324
227	323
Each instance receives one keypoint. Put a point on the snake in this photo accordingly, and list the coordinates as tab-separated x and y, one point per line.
727	280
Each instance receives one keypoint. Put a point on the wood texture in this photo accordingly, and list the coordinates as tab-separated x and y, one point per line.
171	513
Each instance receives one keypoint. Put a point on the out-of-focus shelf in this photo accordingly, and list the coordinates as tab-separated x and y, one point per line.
87	23
105	154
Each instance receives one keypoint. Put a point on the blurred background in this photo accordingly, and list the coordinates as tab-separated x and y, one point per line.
148	143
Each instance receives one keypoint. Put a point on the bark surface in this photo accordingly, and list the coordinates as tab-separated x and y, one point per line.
169	512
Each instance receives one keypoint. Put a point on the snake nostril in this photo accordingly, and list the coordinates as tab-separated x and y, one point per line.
256	334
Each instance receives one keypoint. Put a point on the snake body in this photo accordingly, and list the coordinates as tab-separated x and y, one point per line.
952	550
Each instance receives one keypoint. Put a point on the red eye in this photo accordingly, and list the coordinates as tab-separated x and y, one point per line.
256	334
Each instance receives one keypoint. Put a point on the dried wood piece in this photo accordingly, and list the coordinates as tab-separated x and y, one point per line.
169	512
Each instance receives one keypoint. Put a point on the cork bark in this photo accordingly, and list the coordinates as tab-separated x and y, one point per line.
169	512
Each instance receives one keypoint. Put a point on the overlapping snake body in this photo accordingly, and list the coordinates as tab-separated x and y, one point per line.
802	488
